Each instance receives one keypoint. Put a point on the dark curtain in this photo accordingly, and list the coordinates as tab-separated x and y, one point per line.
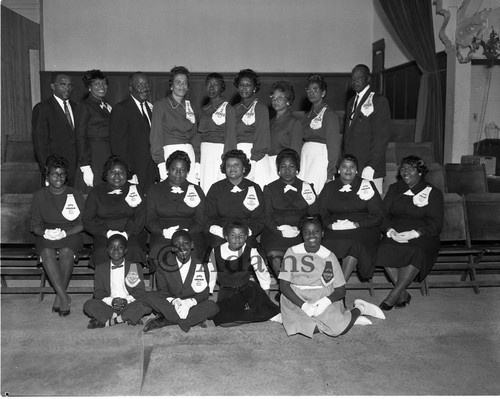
412	20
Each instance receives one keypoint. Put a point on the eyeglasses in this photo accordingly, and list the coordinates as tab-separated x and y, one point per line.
312	91
277	98
55	175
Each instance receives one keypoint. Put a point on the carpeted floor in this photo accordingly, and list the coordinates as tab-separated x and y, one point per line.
447	343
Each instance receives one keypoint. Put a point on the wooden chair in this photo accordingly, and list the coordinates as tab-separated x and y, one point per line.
465	178
483	213
456	252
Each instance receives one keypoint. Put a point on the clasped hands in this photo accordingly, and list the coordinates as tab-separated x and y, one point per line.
54	234
317	308
288	231
402	237
182	306
118	304
345	224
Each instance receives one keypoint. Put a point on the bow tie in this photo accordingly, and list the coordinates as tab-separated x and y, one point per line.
289	187
176	190
103	105
346	188
117	191
236	189
116	267
409	192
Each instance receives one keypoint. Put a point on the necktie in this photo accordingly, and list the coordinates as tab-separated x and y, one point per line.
355	105
68	115
145	114
116	267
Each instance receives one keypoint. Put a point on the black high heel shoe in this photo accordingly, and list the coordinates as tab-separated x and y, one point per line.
385	306
64	313
403	304
55	309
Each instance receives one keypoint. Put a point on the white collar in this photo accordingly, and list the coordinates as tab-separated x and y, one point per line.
363	92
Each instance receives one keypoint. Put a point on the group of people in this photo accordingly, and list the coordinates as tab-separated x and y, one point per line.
252	196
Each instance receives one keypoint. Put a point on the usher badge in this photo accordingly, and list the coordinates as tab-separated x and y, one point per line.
422	198
219	116
70	210
192	199
365	191
367	107
189	112
249	117
308	193
327	276
251	201
133	198
199	282
317	122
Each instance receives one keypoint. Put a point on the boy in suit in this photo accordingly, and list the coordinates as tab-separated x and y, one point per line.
183	300
119	287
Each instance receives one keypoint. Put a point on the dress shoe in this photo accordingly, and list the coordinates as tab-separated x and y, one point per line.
277	297
94	323
385	306
55	309
369	309
363	321
403	304
202	324
64	313
157	322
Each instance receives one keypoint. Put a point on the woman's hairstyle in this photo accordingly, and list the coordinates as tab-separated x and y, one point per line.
416	162
178	70
219	78
286	88
238	224
349	157
247	167
112	161
315	78
249	74
288	153
316	219
92	75
55	162
178	156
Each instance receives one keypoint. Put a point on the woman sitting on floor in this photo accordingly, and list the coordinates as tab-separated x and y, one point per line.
413	219
57	224
313	288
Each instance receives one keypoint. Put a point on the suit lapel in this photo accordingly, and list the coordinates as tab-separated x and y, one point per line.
61	115
357	111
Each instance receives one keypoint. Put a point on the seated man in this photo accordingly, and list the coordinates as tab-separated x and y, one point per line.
119	287
183	298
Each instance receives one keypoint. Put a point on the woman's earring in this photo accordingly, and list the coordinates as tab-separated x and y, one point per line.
287	103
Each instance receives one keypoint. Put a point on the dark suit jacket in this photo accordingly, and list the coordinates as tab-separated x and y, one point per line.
52	134
367	137
170	282
102	282
129	138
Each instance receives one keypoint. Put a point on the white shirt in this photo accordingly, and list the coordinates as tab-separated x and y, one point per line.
61	104
117	285
361	94
140	108
184	269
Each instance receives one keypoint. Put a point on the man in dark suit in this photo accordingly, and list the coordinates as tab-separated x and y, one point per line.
367	133
129	130
53	126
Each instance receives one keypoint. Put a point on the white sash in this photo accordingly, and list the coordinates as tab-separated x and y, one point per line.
189	112
422	198
317	122
192	199
219	116
133	198
251	201
249	117
70	210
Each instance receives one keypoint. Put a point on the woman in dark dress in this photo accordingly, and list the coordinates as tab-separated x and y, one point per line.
351	209
92	127
116	206
413	219
57	225
287	200
175	204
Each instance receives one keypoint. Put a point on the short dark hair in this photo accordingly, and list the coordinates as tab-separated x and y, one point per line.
178	156
349	157
92	75
288	153
315	78
55	162
249	74
316	219
118	237
236	224
247	167
181	233
287	89
416	162
133	75
219	78
363	68
178	70
112	161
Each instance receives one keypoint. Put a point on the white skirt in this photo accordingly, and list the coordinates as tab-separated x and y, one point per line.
188	149
210	160
314	164
260	169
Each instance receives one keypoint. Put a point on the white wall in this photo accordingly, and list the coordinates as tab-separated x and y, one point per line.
207	35
395	54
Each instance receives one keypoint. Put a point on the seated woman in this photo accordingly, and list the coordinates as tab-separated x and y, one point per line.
175	204
351	209
413	218
57	224
240	299
313	288
287	200
116	206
